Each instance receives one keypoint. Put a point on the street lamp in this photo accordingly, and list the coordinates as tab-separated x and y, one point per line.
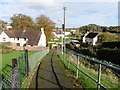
62	34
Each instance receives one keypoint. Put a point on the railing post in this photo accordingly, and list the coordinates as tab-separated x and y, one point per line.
77	66
68	61
64	57
99	76
15	75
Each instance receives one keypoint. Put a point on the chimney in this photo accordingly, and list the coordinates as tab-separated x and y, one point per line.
42	30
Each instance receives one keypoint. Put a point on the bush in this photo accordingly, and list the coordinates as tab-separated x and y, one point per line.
5	44
108	37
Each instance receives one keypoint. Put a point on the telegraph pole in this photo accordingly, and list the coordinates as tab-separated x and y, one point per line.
64	8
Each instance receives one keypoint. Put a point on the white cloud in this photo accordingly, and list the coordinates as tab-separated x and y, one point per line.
72	1
77	13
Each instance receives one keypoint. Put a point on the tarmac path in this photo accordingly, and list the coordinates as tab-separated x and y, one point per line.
51	74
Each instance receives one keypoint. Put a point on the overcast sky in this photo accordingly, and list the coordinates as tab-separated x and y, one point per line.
78	12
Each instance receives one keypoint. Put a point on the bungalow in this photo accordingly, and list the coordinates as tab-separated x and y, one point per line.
90	38
24	37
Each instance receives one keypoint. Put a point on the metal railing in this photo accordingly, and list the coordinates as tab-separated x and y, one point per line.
90	59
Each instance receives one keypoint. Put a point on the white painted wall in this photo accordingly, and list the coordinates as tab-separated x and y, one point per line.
95	40
22	41
84	37
4	37
42	41
8	27
67	33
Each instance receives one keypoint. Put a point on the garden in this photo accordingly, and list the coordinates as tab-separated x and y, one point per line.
7	54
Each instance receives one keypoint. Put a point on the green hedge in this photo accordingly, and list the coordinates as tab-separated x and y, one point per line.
111	55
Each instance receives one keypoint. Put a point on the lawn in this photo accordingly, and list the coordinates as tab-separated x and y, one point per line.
7	57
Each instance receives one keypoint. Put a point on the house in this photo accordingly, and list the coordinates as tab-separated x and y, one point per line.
90	38
58	34
73	31
8	27
24	37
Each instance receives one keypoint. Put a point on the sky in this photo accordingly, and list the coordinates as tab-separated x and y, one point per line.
78	12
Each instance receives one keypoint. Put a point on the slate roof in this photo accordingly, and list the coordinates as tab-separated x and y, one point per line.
14	33
91	35
33	36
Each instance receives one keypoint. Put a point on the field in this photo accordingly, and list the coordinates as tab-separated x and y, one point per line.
7	57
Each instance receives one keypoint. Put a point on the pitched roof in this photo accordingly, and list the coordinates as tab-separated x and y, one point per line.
33	36
92	35
9	33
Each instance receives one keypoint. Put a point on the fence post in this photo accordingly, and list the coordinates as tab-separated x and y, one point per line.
64	56
99	76
68	61
26	62
77	66
15	74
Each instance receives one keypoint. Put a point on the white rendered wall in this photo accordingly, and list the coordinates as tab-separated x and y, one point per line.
42	41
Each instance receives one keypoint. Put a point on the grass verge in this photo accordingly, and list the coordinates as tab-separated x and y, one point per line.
86	82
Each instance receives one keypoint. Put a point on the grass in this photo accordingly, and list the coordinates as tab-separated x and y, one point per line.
87	82
7	57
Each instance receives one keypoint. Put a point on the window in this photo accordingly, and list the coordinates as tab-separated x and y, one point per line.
25	39
4	39
18	44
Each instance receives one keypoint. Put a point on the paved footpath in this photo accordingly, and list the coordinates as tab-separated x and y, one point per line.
51	74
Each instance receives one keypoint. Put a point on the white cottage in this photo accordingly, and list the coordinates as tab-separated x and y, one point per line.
24	37
90	38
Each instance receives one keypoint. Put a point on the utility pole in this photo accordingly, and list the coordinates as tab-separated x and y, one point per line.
64	8
62	35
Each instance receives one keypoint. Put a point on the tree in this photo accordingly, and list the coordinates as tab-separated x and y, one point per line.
108	37
22	22
44	22
2	25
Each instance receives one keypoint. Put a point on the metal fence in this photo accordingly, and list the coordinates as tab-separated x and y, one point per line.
13	76
35	58
100	64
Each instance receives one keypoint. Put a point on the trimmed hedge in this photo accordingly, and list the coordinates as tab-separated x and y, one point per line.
110	45
110	55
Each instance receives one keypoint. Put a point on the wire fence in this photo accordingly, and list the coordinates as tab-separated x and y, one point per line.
35	58
75	65
14	76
